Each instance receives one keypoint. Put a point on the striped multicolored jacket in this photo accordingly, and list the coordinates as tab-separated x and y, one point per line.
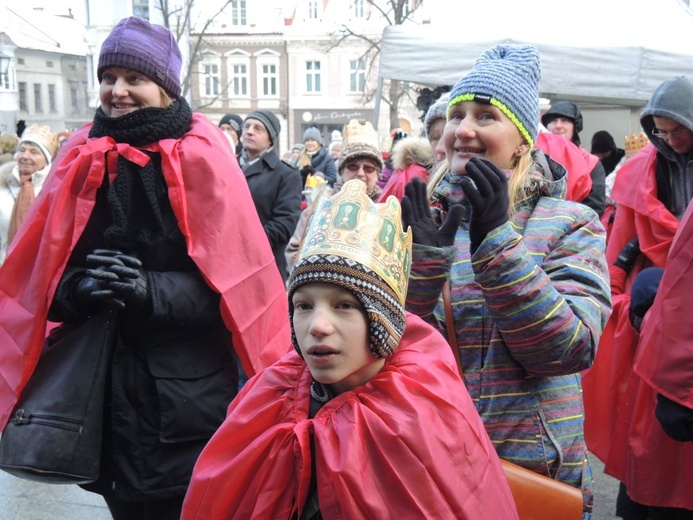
529	307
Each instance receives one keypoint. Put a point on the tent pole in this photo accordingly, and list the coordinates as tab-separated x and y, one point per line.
378	96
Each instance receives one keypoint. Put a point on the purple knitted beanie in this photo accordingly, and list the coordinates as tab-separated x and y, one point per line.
151	49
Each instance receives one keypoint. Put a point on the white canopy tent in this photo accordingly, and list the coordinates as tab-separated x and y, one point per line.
603	51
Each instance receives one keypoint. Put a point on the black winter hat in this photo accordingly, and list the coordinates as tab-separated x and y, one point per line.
602	142
269	120
234	120
564	109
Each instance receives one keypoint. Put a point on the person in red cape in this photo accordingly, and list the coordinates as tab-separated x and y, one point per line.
145	214
411	157
565	119
652	191
577	161
368	418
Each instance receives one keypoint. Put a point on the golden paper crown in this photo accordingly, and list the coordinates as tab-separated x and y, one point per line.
350	225
355	132
635	142
43	137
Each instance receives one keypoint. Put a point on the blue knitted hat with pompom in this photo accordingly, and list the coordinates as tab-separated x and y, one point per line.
507	77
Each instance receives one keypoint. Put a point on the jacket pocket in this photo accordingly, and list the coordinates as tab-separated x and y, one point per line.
195	384
553	455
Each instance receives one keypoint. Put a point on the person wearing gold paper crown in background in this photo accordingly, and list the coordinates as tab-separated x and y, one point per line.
652	192
368	417
147	218
528	276
22	180
360	159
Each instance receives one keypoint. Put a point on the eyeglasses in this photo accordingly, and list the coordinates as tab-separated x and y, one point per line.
665	135
355	167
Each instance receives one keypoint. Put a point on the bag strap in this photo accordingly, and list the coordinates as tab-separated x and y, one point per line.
450	325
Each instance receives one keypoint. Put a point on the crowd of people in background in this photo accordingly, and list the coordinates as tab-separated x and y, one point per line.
556	271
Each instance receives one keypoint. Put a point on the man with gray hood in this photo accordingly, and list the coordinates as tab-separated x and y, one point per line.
652	191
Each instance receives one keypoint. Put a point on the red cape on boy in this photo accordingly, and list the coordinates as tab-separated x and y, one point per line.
210	198
407	444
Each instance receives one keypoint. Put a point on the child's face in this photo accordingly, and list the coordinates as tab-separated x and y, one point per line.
331	328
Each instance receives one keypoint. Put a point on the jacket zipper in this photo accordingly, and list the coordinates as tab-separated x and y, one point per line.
22	417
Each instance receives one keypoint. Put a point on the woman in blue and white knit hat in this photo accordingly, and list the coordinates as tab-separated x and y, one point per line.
530	291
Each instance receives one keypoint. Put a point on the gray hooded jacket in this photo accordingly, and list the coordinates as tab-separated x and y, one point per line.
673	99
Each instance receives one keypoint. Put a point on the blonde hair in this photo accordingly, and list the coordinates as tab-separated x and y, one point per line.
166	98
516	182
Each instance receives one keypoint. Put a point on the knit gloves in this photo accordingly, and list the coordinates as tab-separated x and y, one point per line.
486	188
416	213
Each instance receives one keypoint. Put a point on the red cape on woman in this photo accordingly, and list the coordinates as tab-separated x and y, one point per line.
620	426
210	198
407	444
577	161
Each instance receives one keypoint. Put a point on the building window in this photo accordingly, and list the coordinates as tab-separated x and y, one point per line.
74	100
51	99
359	8
141	8
22	97
313	9
312	76
38	106
238	12
49	64
212	80
5	79
268	79
357	78
239	82
20	61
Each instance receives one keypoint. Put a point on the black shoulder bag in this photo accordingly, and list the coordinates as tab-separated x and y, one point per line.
54	435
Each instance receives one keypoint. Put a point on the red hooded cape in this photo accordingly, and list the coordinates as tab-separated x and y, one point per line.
210	198
576	160
407	444
664	361
620	427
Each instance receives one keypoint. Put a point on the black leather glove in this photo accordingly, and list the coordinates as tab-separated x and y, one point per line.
90	290
416	213
486	187
121	275
626	258
676	419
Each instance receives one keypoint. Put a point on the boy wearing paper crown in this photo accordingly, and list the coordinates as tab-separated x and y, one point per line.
368	417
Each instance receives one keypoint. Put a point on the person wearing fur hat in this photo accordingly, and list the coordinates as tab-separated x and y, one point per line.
275	185
528	275
315	158
21	181
411	157
586	176
144	222
367	416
